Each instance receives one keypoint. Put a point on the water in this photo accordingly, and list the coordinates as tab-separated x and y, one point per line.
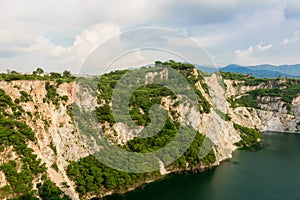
268	174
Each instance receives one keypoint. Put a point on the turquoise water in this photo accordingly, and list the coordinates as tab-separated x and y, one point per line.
270	173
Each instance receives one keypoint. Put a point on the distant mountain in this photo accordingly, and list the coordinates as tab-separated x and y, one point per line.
260	71
208	69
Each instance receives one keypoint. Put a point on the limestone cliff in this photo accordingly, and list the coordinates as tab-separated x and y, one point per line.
58	142
273	114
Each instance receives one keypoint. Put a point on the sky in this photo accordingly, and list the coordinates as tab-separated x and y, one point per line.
59	35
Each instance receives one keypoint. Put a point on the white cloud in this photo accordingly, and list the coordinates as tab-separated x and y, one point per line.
63	33
293	39
132	58
85	43
245	57
58	55
261	47
249	56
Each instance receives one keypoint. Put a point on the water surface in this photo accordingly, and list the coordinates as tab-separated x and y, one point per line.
268	174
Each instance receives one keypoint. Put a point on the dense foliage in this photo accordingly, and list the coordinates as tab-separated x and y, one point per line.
286	89
249	80
245	101
144	97
187	70
38	75
290	91
92	176
191	156
249	136
49	191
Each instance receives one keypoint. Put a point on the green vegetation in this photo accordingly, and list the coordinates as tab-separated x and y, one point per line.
249	136
144	97
53	96
25	97
249	80
191	156
91	175
53	147
38	71
105	87
292	89
244	101
286	89
21	171
224	116
54	166
187	70
38	74
156	142
49	191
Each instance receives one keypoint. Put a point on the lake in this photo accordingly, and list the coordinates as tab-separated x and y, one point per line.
268	174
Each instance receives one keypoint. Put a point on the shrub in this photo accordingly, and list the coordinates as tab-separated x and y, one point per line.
249	136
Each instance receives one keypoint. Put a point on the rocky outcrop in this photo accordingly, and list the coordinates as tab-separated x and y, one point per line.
58	141
220	131
272	115
53	128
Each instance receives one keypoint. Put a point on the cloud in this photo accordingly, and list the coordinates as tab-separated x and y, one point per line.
293	39
58	55
250	55
133	58
85	43
261	47
57	34
245	57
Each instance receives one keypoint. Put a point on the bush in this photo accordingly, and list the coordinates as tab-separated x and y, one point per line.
25	97
48	190
249	136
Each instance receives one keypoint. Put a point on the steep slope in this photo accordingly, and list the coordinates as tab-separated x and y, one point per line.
67	164
265	104
47	115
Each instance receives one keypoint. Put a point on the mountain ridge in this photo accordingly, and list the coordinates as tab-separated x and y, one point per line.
236	107
259	71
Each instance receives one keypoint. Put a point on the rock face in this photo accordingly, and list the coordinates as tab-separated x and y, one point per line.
220	131
273	115
53	125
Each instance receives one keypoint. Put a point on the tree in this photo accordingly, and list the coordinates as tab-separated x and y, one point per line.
39	71
14	72
66	73
55	75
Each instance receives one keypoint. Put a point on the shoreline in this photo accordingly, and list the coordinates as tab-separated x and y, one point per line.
138	186
198	169
278	132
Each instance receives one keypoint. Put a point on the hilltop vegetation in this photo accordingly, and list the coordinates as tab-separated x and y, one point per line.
83	172
284	88
38	74
27	176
